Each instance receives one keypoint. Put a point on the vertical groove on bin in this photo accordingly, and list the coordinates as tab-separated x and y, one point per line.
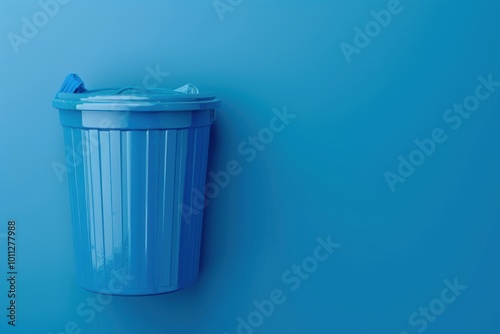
141	196
182	227
119	209
201	156
162	259
145	250
189	222
135	206
109	223
138	145
173	250
159	206
203	176
85	229
99	203
197	211
106	203
152	203
71	165
137	189
201	184
90	206
156	203
167	212
193	222
81	223
116	199
169	196
182	200
143	214
126	205
184	186
177	243
124	220
98	191
189	195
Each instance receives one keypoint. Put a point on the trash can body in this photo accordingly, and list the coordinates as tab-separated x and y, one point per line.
137	164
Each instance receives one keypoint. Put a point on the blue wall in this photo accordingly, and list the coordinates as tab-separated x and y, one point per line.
414	250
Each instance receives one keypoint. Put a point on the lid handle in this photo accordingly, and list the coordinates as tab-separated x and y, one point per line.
132	89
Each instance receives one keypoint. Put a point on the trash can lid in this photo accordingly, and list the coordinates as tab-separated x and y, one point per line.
74	96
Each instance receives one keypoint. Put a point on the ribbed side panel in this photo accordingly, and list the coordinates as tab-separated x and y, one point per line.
137	207
192	204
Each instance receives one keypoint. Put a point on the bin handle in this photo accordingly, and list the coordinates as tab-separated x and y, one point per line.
135	89
132	88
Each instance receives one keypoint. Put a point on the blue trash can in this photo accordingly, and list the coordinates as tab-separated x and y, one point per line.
135	159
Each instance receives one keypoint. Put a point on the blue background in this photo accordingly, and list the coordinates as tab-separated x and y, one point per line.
323	175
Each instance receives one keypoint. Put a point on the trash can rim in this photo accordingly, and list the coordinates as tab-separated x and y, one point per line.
135	99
